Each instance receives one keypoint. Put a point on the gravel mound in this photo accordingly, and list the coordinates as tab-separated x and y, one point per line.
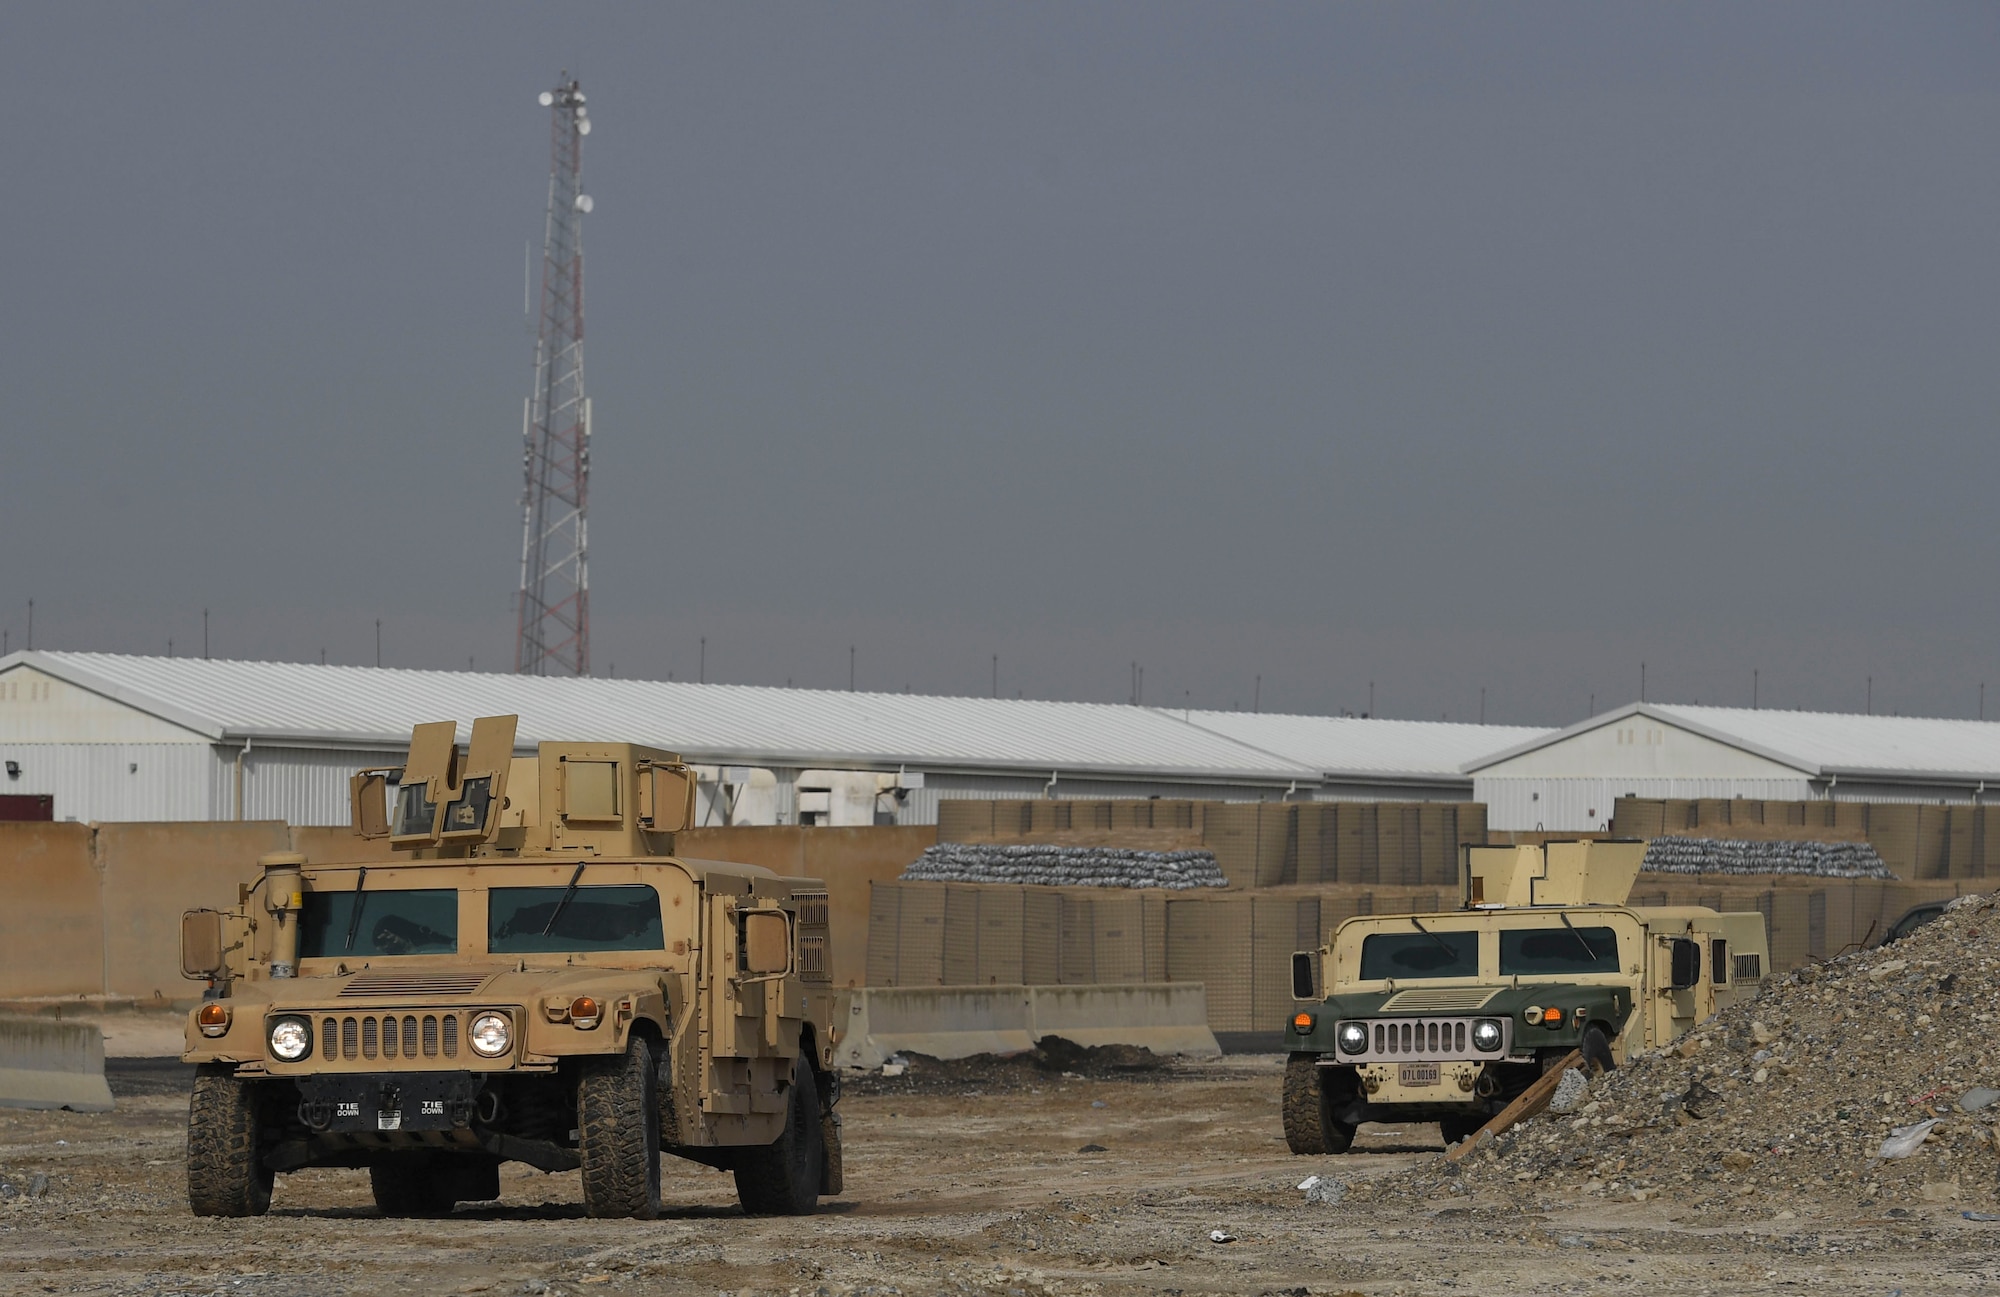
971	862
1786	1102
1727	856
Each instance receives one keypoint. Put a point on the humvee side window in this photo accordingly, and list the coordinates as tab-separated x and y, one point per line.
390	923
624	916
1532	952
1419	954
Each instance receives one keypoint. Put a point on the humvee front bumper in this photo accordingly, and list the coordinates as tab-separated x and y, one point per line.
347	1102
1450	1082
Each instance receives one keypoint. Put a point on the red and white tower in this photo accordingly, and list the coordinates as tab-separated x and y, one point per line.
554	601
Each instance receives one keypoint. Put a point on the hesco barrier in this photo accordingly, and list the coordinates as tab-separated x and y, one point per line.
1258	844
960	1021
1916	842
1239	944
46	1063
93	911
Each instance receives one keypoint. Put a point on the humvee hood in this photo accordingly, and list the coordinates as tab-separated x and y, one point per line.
499	984
1483	1001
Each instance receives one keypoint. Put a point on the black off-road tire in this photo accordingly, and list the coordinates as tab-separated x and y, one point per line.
618	1132
1304	1106
412	1184
1455	1129
225	1148
1596	1050
783	1178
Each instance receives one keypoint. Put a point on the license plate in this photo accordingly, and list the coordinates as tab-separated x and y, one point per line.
1419	1074
394	1120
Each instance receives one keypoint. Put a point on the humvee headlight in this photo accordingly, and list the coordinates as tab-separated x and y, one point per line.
1486	1035
491	1035
1353	1037
213	1019
291	1039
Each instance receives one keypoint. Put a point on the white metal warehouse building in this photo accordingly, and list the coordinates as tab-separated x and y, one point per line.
118	737
1568	780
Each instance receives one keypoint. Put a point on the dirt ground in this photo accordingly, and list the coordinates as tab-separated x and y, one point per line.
978	1190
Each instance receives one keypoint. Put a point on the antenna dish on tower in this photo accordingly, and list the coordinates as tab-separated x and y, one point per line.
548	99
584	203
583	126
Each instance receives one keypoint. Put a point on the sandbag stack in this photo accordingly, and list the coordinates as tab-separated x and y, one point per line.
1051	866
1729	856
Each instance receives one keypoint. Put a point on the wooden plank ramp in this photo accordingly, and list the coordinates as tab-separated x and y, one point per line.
1529	1103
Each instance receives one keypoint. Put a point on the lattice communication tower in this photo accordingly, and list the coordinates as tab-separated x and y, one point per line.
554	602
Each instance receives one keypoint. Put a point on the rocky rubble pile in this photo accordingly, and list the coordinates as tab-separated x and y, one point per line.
1794	1100
1727	856
973	862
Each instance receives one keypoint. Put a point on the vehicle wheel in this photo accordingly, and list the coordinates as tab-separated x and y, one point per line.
225	1148
412	1184
783	1178
1304	1107
618	1132
1596	1049
1455	1129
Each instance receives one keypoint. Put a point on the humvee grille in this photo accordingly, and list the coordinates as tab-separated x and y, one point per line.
1423	1039
1749	968
408	1036
412	984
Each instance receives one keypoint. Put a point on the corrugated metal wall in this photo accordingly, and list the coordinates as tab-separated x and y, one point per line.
111	782
297	785
114	781
1585	805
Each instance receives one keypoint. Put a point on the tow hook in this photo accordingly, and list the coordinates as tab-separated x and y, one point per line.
1488	1087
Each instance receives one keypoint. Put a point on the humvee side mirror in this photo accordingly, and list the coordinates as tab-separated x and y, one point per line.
201	944
666	799
1305	984
766	942
1687	963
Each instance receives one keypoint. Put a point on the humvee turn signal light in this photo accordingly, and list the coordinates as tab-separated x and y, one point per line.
213	1019
585	1012
1302	1023
1552	1018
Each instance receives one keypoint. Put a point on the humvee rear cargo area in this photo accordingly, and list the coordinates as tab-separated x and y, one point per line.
525	972
1449	1017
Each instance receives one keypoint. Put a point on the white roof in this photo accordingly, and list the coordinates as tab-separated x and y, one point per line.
1821	744
286	703
1365	748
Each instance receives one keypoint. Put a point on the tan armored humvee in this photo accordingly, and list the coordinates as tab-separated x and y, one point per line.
525	972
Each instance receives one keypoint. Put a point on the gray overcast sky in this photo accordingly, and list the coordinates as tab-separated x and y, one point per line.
1441	346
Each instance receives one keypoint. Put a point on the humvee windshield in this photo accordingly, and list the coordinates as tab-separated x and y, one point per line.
390	923
1418	954
622	917
1534	952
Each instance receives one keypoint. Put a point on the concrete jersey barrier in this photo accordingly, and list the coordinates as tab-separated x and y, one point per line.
48	1064
960	1021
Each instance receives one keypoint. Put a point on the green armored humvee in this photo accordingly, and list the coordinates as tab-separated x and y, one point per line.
1449	1017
